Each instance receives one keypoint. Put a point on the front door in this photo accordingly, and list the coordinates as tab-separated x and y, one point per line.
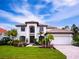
32	39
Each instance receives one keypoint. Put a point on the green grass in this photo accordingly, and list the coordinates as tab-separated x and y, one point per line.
10	52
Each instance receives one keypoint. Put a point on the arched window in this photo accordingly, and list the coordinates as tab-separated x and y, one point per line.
32	29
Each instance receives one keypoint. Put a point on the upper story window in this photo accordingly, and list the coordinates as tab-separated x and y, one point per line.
32	29
41	29
22	28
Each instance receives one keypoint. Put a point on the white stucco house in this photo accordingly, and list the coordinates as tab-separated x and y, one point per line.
31	29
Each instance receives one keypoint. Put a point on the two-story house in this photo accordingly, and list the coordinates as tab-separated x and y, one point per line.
31	30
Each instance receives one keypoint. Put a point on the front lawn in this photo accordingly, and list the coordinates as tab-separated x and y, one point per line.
10	52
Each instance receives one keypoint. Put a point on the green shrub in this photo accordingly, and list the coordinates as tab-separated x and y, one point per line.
10	42
76	43
16	42
76	40
19	43
4	41
22	44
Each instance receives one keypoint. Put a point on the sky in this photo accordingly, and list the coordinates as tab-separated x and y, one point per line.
57	13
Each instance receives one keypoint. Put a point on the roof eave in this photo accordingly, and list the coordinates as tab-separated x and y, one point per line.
59	32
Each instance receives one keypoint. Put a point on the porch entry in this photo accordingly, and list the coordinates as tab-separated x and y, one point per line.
32	38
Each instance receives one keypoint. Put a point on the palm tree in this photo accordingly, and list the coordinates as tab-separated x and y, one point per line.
48	39
12	33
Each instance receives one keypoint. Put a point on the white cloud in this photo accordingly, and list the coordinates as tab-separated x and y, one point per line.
64	2
65	8
24	10
71	2
27	16
65	13
61	3
38	7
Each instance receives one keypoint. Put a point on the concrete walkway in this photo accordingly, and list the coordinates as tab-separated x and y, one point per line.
72	52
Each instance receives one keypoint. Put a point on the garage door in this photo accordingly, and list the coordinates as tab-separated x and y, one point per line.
62	39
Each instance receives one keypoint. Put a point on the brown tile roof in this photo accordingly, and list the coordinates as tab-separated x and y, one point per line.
2	30
59	31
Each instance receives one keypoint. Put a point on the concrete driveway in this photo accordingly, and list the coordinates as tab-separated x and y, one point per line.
72	52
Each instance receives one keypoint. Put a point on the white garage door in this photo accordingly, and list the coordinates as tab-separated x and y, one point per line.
62	39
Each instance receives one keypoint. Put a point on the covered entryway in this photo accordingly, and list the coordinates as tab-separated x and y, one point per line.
32	38
32	33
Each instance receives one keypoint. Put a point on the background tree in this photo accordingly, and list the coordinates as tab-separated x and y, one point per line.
66	27
75	29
